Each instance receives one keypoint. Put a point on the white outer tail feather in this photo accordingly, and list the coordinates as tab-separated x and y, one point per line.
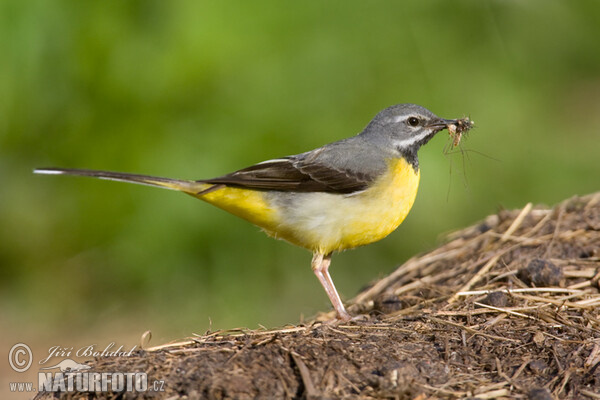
155	181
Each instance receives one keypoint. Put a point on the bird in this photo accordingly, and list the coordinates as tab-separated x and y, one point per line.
340	196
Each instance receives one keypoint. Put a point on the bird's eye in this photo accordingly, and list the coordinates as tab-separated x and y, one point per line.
413	121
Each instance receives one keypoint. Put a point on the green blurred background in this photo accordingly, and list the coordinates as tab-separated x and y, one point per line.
194	89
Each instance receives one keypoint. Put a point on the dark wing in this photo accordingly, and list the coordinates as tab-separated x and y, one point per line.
296	174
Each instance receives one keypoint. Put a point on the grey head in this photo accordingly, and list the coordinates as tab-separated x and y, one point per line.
403	129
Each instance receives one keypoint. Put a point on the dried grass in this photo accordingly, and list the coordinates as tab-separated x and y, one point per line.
507	308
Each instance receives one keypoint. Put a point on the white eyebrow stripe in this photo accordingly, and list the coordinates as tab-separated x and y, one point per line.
412	140
398	118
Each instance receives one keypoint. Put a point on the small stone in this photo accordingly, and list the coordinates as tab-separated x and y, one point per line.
387	303
538	366
539	338
539	394
540	273
496	299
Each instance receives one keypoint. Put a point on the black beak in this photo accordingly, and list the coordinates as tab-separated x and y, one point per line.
440	123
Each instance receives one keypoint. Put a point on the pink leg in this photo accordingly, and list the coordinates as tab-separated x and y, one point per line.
320	265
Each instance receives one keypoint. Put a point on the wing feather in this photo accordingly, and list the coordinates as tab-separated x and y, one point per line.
296	174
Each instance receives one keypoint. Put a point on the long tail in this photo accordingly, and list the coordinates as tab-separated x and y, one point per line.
190	187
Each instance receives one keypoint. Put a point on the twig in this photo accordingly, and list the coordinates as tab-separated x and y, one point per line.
589	394
309	387
484	270
520	290
410	265
513	227
471	330
494	394
557	302
504	310
561	211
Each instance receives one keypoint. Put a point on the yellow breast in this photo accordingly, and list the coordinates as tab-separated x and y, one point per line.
327	222
378	211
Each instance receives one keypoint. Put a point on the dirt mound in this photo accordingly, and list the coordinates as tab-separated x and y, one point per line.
505	309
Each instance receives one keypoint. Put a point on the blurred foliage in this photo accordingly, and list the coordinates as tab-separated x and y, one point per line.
193	89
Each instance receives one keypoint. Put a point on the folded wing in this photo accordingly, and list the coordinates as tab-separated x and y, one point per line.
297	174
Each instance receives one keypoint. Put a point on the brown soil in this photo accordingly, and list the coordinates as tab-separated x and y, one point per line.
505	309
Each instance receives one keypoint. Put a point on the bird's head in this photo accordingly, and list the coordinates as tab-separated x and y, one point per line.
405	127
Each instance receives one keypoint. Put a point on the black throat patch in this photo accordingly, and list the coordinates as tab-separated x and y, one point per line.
411	157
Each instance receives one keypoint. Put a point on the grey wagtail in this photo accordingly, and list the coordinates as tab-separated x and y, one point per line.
343	195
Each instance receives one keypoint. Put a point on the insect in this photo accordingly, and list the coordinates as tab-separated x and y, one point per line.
456	130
